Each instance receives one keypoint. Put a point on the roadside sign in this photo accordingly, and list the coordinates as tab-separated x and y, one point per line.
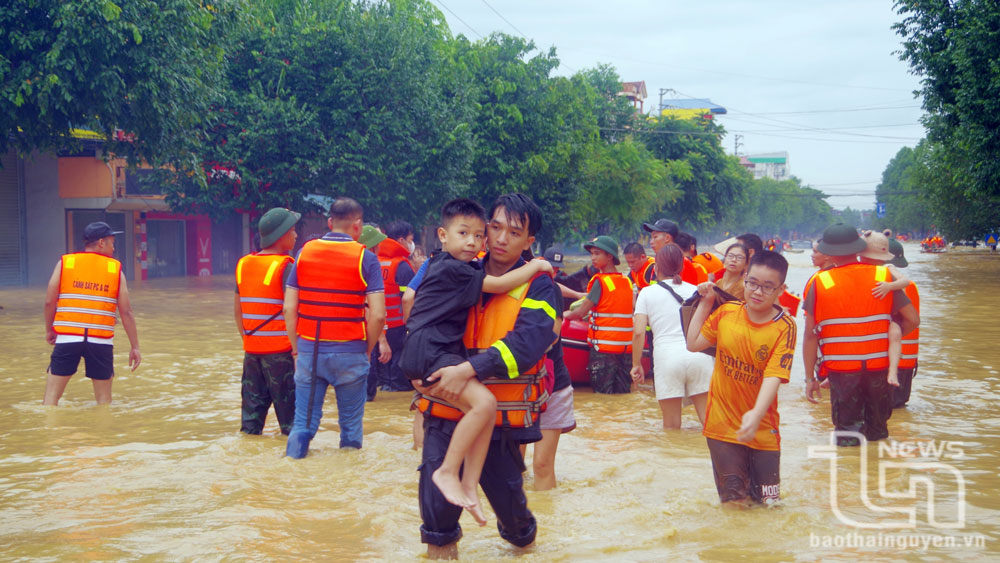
880	210
991	239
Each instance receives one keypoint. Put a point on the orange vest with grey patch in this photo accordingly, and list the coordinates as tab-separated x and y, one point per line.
88	295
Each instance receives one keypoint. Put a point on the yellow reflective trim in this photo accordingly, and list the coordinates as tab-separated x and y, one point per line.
239	272
70	262
270	271
508	358
536	304
112	267
827	279
403	288
609	282
518	291
881	273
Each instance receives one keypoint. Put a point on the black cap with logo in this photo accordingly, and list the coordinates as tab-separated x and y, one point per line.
96	231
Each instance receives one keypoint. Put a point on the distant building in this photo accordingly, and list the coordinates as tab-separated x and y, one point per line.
689	108
635	92
772	165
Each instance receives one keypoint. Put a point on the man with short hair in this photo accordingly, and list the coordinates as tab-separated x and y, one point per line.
508	352
268	366
397	271
662	232
693	273
85	291
334	312
850	327
641	267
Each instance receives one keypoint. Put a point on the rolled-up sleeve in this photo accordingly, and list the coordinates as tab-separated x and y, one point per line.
526	344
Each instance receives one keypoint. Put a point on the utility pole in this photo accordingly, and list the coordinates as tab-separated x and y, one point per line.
662	92
737	143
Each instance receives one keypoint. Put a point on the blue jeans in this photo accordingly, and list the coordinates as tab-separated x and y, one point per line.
347	372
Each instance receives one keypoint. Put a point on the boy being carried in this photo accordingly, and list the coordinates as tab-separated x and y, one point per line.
755	344
454	283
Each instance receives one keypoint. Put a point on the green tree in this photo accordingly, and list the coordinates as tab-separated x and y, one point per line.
905	207
954	46
148	68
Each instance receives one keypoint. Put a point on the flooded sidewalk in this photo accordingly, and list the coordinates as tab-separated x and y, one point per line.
164	474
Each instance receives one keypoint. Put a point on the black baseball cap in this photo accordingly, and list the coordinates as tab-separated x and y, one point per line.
662	226
554	256
96	231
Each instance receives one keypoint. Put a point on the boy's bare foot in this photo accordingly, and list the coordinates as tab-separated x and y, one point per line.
450	487
476	510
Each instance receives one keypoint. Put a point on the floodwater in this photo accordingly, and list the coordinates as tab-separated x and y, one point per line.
164	475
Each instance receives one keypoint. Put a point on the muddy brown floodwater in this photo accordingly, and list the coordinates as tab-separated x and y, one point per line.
164	475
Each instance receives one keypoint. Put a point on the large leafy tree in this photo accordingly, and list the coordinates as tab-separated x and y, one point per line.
954	46
905	206
148	68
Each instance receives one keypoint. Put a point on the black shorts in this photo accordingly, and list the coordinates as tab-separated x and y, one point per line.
99	359
743	473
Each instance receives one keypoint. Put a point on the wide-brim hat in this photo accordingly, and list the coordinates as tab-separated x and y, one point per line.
841	240
662	226
605	243
370	236
723	246
896	248
275	223
876	246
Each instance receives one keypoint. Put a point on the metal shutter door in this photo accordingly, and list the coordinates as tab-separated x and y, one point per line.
10	222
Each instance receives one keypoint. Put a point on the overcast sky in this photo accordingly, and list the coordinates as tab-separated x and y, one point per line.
784	70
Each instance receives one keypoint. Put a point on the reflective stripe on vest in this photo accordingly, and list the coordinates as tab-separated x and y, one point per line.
88	295
259	281
331	291
393	292
853	325
520	396
610	328
911	341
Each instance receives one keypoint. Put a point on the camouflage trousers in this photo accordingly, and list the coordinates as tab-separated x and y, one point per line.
267	379
861	402
609	373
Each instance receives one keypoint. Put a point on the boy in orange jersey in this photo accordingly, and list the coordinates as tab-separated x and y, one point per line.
755	342
268	366
610	302
454	282
84	293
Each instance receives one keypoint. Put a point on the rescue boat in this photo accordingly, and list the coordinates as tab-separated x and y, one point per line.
576	351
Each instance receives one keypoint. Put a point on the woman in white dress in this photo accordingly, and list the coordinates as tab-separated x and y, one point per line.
679	374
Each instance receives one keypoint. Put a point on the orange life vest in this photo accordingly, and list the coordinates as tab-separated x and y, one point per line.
790	301
259	279
390	255
693	273
709	261
911	341
611	318
639	280
88	295
331	291
853	325
520	396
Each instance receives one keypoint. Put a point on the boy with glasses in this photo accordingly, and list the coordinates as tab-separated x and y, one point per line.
755	342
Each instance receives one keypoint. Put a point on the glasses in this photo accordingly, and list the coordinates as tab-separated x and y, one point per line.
754	286
735	257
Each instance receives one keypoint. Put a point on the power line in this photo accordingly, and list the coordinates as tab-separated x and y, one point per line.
846	110
514	27
440	3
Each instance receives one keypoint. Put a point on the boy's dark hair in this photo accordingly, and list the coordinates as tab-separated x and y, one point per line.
771	260
345	209
461	207
520	207
684	240
634	249
752	242
398	230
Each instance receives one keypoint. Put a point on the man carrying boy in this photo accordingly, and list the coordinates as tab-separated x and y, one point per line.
85	291
609	301
268	365
509	335
850	326
454	282
334	312
755	343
